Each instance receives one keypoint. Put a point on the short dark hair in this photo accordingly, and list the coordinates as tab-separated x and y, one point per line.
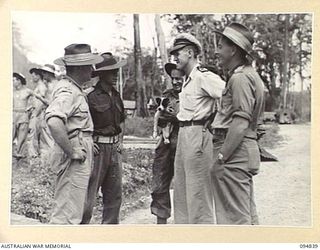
37	72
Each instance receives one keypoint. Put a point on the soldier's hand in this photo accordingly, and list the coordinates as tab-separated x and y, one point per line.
119	147
216	168
79	154
96	149
154	135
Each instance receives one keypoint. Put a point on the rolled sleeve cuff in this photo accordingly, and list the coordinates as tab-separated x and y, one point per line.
58	114
242	114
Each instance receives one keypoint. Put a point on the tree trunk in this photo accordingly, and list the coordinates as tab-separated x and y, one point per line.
285	64
153	72
162	48
141	109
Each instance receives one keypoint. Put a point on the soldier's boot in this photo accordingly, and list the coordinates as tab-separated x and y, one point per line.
161	220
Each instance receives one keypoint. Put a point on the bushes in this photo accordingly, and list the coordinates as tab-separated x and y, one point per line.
33	186
137	126
32	190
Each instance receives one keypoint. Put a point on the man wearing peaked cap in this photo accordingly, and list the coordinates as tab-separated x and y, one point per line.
108	117
236	152
185	39
71	127
193	199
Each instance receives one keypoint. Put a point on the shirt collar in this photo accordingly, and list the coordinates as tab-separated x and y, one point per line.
73	81
101	88
234	69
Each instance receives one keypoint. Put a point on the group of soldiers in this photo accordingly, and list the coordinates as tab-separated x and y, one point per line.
213	152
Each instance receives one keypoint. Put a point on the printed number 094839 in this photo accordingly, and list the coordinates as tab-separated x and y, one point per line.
314	246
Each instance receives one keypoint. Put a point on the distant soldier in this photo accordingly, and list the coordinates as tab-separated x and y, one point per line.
236	151
163	164
193	199
71	127
45	139
21	112
37	113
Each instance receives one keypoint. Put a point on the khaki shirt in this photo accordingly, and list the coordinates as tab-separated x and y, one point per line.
70	104
198	94
243	97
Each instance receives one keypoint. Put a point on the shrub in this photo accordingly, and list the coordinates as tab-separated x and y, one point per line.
32	190
33	186
137	126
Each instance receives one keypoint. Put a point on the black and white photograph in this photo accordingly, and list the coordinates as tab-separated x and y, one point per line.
148	119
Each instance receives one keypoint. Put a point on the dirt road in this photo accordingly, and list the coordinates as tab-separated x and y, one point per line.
282	189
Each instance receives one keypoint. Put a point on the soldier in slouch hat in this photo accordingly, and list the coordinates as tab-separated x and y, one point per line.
71	127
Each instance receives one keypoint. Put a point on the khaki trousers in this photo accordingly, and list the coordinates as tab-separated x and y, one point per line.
233	184
193	198
72	182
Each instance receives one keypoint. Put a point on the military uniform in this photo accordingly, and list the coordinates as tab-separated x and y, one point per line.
193	198
107	114
163	163
69	103
37	117
20	125
232	180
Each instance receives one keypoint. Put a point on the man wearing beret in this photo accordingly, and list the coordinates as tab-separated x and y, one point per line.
108	116
71	127
236	150
193	198
163	164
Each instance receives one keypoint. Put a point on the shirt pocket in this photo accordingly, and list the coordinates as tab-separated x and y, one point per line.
188	102
83	111
102	107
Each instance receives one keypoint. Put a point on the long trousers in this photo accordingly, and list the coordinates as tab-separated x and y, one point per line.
162	174
72	182
233	184
193	198
107	174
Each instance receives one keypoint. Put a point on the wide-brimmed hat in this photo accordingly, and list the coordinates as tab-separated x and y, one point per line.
185	39
109	63
240	35
48	68
78	55
35	70
21	77
168	67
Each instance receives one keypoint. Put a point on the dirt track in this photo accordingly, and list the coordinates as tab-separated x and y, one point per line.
282	189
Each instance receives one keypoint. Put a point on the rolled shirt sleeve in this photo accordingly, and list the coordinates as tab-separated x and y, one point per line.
243	98
61	105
